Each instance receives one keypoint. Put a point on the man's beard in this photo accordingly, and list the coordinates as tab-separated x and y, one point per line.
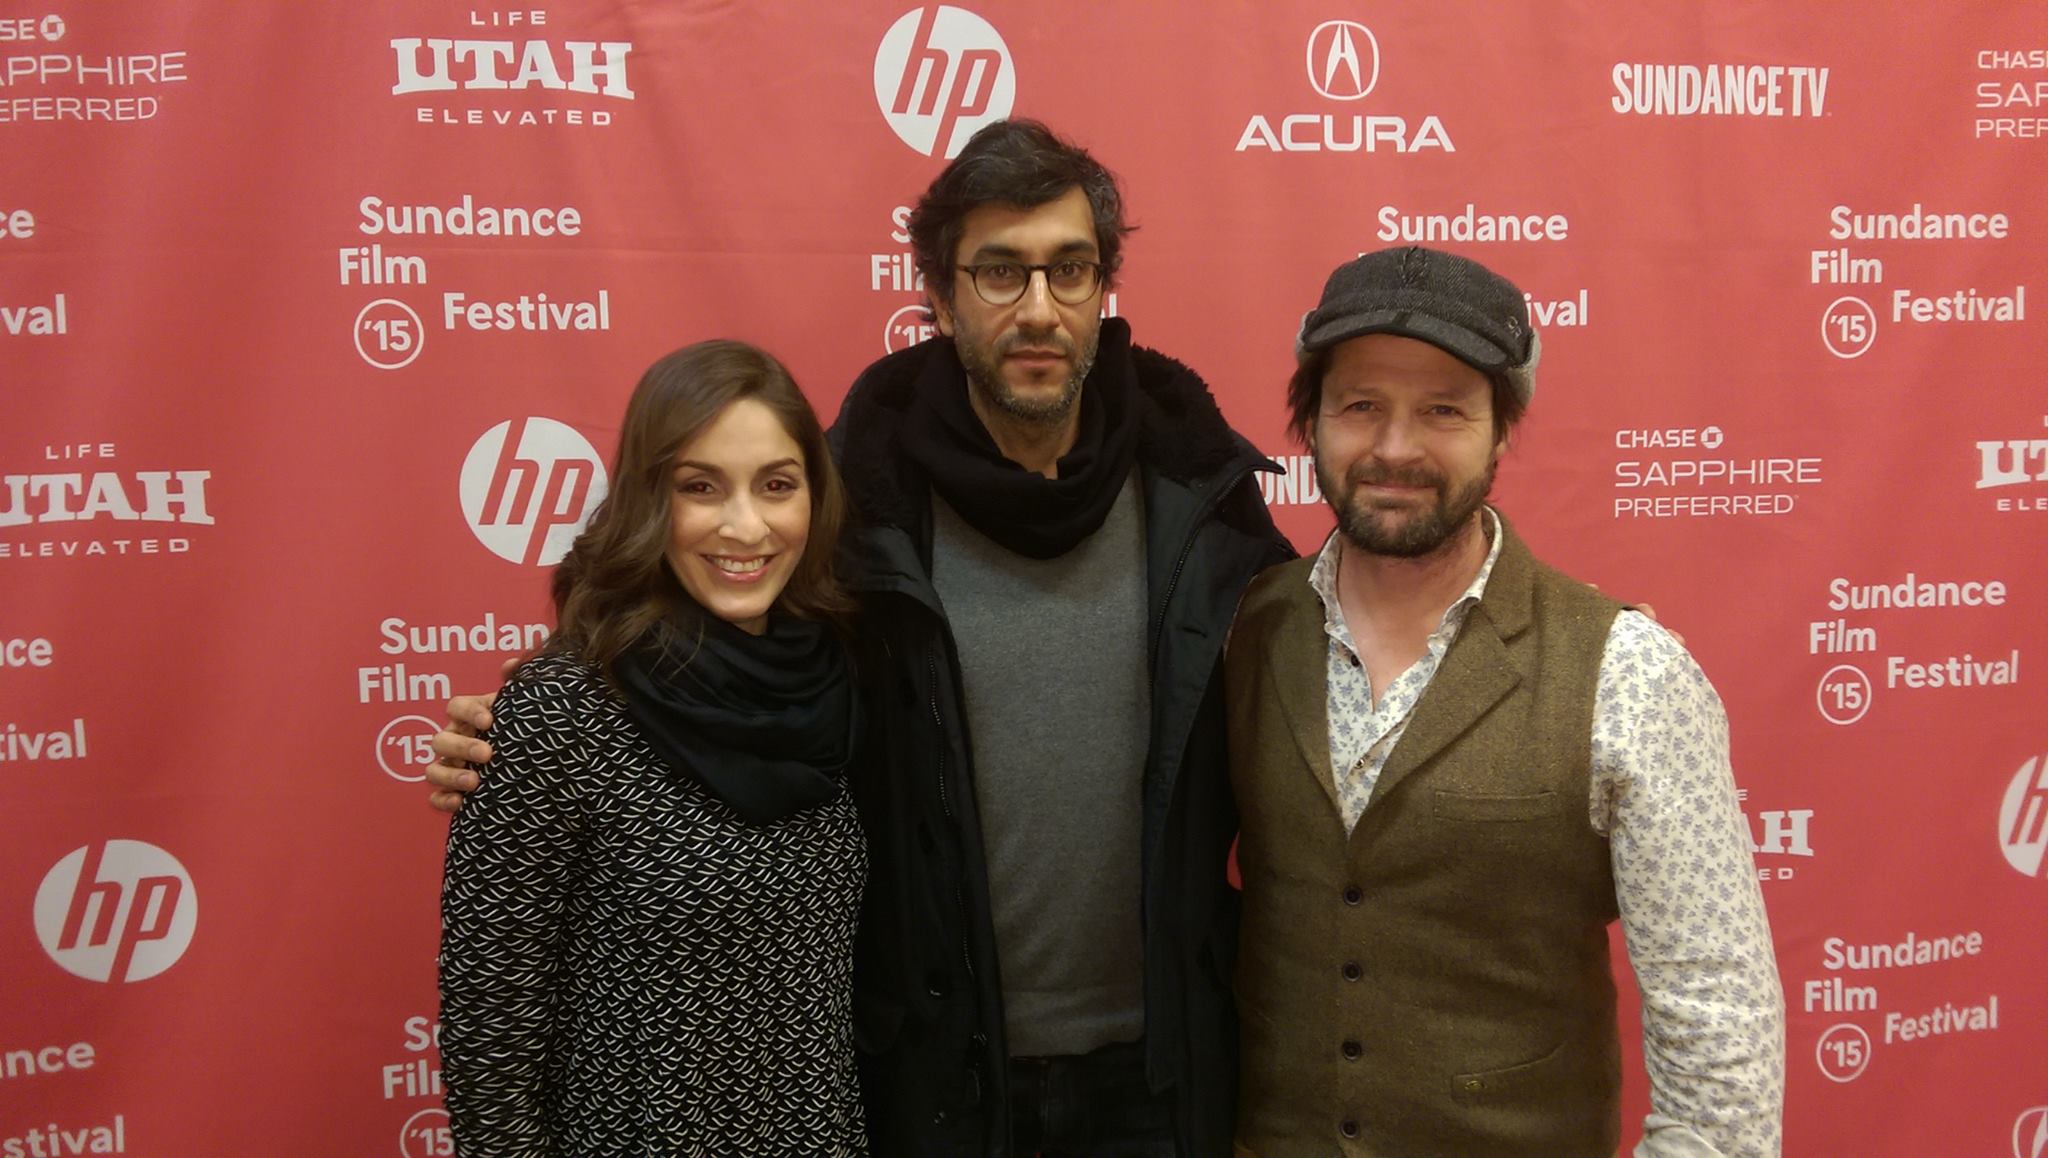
1422	533
985	378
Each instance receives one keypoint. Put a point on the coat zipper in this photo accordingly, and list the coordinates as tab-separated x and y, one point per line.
946	806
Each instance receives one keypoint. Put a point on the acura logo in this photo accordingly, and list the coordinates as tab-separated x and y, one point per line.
1343	59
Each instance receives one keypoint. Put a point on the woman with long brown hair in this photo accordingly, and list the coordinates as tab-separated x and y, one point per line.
649	907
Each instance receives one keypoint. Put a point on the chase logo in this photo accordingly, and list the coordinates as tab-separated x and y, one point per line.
942	73
1343	60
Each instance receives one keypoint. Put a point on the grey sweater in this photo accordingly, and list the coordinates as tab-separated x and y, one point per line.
1052	658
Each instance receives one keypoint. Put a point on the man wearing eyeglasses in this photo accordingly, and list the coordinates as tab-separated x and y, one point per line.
1054	529
1058	524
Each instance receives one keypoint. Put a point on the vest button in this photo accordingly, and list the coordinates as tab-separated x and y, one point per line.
1348	1128
1352	972
1352	895
1352	1050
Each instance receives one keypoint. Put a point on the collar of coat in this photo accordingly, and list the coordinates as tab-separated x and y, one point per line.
1182	435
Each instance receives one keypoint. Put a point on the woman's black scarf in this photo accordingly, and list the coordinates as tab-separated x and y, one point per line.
1034	516
765	722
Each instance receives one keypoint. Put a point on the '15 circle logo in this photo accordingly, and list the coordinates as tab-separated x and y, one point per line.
1843	1052
426	1135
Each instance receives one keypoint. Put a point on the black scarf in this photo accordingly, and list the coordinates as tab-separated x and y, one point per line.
1034	516
765	722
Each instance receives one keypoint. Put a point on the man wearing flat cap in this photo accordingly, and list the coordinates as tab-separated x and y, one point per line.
1455	767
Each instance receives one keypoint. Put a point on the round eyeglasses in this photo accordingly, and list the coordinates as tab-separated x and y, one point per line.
1001	283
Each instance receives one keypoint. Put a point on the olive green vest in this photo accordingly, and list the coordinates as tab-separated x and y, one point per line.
1437	982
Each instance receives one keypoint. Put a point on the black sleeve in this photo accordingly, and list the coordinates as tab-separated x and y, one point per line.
513	852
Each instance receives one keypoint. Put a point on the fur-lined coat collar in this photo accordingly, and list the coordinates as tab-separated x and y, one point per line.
1182	436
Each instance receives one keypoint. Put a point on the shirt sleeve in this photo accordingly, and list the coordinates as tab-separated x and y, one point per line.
1691	909
513	851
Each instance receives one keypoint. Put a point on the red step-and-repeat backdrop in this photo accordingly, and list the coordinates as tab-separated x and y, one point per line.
316	322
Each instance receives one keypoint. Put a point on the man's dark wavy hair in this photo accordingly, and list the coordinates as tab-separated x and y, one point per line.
1015	162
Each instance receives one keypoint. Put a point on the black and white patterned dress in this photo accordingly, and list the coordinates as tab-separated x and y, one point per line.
627	967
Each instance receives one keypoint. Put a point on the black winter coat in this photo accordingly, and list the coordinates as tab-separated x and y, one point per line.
927	1001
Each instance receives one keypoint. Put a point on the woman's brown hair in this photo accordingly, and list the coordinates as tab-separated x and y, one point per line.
615	584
